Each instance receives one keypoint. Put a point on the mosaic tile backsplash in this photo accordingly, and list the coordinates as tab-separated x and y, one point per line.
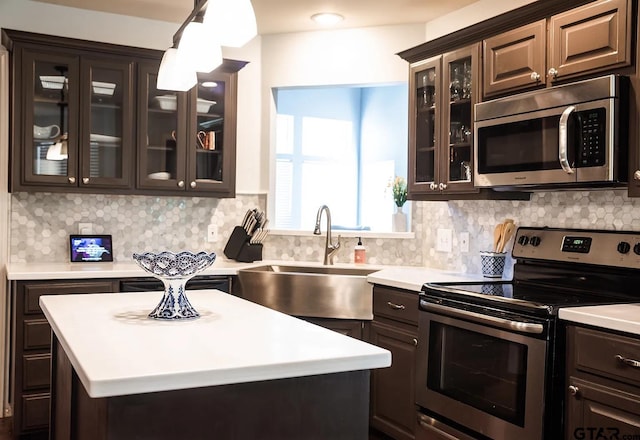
41	223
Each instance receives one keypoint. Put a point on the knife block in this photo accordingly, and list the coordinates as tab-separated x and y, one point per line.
238	247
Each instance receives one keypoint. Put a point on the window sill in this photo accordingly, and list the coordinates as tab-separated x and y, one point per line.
346	233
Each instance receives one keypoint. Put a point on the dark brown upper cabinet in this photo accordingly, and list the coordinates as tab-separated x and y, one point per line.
586	40
443	91
515	59
73	121
88	117
186	140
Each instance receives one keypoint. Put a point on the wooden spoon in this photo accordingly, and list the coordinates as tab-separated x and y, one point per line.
507	233
497	235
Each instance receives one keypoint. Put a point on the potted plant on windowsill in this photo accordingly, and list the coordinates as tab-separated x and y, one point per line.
399	188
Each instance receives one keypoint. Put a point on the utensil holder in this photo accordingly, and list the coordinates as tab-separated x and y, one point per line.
240	249
492	264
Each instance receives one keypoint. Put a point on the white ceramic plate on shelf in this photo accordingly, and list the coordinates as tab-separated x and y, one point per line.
167	102
160	175
203	105
103	138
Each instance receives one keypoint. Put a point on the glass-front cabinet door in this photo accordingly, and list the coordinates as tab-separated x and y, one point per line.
424	134
162	133
443	91
211	140
50	153
106	141
78	129
460	94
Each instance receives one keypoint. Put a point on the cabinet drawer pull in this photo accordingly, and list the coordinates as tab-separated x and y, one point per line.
415	342
627	361
395	306
573	390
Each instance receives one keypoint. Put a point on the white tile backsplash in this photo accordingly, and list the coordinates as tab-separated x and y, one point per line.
41	223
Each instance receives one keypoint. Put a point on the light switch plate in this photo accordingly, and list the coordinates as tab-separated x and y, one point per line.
212	232
444	240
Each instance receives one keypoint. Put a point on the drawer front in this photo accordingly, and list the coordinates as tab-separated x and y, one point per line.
395	304
37	334
35	411
32	292
607	354
36	371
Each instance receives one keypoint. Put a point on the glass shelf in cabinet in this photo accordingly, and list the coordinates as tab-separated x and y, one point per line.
425	149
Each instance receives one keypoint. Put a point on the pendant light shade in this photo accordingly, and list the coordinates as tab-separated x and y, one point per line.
173	75
198	50
233	21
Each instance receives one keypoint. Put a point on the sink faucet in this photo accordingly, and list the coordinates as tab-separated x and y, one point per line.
329	249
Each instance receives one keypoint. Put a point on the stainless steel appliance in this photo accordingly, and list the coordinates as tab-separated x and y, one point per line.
491	357
572	135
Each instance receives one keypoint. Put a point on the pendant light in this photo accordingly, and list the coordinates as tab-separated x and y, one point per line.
198	50
175	76
234	21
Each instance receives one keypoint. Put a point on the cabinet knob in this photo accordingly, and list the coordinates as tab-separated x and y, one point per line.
193	184
181	184
636	175
85	180
573	390
72	180
442	186
433	186
553	72
415	342
535	76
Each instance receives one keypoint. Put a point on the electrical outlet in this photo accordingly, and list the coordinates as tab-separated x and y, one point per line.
464	242
212	232
85	228
444	239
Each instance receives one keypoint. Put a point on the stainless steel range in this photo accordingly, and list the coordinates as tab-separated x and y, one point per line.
492	362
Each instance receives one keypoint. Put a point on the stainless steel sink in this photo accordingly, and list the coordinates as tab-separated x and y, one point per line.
312	291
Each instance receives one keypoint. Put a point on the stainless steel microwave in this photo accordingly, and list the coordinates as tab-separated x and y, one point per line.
569	136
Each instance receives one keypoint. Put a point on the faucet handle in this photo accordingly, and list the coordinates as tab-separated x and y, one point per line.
337	246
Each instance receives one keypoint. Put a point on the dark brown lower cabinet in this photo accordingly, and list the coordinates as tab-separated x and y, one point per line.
394	327
603	385
31	349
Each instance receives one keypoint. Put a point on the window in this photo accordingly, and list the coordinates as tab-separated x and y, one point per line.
340	147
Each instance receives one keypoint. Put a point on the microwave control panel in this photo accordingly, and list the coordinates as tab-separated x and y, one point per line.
592	138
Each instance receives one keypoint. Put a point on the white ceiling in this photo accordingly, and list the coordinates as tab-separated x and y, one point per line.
281	16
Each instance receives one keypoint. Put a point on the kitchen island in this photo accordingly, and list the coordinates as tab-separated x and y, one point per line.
240	371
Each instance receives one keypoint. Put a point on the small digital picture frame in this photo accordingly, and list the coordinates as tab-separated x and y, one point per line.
90	248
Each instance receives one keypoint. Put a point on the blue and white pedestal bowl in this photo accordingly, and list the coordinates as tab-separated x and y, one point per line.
174	270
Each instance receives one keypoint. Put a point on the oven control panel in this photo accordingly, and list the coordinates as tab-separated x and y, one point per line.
605	248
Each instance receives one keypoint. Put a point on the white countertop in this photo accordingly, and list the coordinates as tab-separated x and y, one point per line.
402	277
412	278
116	349
57	271
620	317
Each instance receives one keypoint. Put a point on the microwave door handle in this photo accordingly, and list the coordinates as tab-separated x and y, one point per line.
563	140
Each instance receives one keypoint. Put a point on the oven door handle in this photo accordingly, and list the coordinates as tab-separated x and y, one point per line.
507	324
563	140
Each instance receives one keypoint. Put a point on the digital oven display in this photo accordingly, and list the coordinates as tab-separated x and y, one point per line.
580	245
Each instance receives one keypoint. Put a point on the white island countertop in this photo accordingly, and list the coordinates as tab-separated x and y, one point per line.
619	317
117	350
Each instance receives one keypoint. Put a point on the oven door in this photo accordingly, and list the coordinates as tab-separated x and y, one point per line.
561	145
489	380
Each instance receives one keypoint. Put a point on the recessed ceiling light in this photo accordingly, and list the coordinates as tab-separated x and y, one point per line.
209	84
327	18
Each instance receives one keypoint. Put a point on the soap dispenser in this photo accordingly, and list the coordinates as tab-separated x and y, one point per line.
359	252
